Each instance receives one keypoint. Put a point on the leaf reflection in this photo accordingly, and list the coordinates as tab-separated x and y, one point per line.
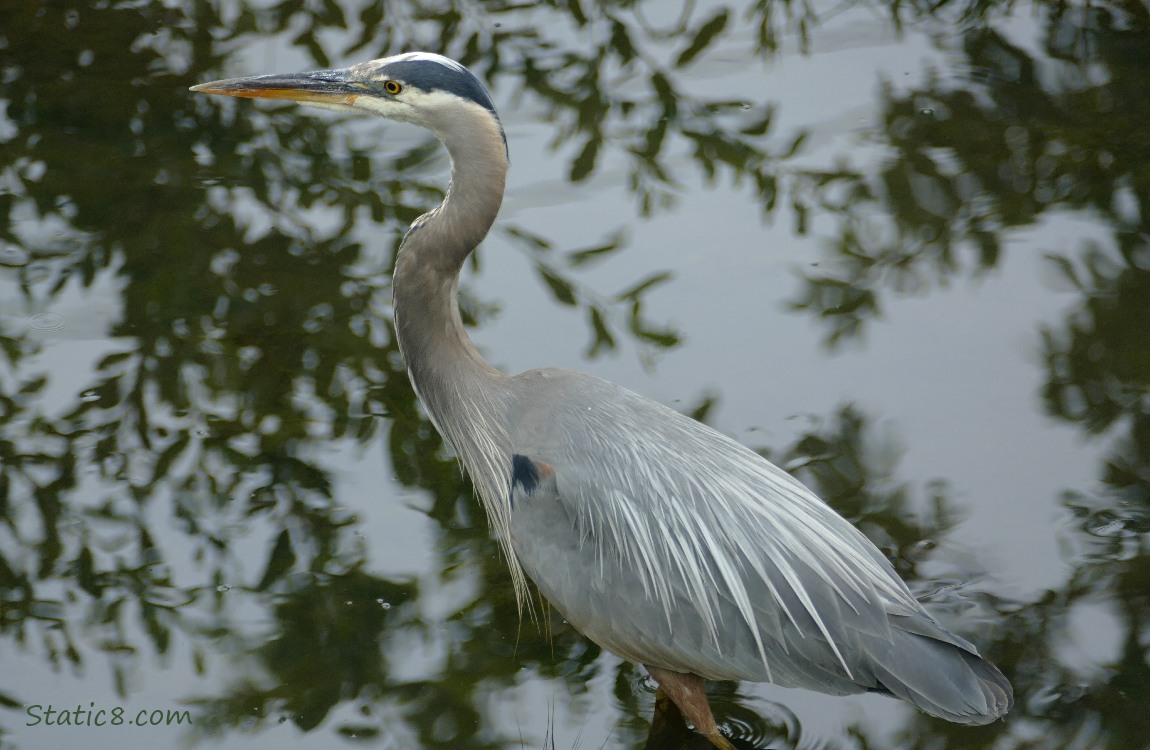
250	332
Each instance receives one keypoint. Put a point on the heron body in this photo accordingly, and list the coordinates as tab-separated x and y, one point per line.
662	540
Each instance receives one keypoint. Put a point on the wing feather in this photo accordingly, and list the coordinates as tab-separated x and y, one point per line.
672	545
699	527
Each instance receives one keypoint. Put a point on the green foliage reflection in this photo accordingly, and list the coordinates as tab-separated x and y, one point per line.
250	333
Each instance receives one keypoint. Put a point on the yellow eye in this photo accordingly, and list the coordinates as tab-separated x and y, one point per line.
392	87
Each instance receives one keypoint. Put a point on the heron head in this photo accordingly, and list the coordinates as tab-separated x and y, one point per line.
418	87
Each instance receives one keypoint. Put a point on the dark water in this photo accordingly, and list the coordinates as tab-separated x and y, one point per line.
903	248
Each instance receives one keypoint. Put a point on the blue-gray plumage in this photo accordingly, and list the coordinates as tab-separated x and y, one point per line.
657	537
442	74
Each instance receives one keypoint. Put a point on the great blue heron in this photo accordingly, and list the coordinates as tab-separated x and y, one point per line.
657	537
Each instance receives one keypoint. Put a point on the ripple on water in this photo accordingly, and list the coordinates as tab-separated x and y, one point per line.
13	255
47	321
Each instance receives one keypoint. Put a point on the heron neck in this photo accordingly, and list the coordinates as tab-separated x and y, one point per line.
467	399
448	373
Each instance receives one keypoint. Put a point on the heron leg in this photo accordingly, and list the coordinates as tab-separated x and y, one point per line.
686	691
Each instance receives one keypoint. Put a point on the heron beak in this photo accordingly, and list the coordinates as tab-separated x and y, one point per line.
322	87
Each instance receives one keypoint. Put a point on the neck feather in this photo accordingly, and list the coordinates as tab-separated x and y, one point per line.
464	395
443	363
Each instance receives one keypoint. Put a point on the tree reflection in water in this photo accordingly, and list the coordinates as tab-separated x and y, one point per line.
251	332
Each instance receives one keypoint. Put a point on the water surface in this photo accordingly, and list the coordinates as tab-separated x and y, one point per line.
901	248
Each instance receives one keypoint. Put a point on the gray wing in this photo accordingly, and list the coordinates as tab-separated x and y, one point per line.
671	545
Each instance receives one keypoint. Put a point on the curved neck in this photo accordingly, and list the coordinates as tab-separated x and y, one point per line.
468	400
458	388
